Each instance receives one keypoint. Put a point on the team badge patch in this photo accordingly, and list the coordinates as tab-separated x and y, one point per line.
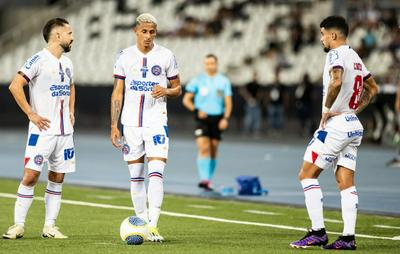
126	149
68	72
38	160
156	70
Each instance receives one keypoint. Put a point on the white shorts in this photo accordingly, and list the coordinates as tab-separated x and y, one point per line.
330	148
56	150
152	141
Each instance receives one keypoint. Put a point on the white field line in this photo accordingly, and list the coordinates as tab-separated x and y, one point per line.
386	226
261	212
199	217
202	206
333	221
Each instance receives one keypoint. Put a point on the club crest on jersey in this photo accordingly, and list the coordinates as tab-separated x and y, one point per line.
126	149
333	56
156	70
38	160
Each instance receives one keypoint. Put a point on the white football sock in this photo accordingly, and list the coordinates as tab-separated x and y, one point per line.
52	200
23	203
314	202
349	210
155	191
138	190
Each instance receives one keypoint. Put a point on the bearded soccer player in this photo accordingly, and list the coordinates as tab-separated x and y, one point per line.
51	114
348	87
142	73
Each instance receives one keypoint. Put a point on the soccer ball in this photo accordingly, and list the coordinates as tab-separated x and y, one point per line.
133	230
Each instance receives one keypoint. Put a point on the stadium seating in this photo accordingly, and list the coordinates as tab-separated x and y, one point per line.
98	40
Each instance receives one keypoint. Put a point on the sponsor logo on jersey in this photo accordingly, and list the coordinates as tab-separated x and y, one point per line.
60	90
357	133
142	86
31	61
350	156
159	139
351	118
69	153
126	149
156	70
38	159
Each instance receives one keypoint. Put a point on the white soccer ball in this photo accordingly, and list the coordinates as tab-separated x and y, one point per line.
133	230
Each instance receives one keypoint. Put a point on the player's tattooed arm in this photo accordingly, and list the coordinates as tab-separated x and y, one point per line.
369	92
116	105
72	103
335	84
17	90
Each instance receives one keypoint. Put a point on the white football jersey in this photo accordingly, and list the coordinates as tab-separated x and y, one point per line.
49	81
141	73
354	74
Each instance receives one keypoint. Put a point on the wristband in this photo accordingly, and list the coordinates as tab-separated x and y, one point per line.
325	110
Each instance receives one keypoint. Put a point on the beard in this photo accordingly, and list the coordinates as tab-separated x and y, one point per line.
326	49
66	47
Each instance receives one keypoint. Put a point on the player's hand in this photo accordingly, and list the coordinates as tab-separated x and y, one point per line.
41	122
201	114
72	118
223	124
115	136
325	117
158	92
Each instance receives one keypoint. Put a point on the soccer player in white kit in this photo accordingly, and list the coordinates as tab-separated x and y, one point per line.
51	113
347	89
142	73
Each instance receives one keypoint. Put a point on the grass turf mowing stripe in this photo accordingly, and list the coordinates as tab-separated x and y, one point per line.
199	217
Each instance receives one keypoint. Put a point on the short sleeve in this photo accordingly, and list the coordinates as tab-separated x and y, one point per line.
365	72
192	86
30	70
228	88
172	68
335	60
119	72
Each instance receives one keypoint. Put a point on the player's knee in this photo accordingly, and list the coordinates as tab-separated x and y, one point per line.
204	151
56	177
30	178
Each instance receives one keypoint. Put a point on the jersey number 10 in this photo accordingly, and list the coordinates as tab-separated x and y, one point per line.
357	89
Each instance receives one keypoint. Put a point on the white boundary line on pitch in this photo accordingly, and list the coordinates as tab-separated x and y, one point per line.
386	226
199	217
261	212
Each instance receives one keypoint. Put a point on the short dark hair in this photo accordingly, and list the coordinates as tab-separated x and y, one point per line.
212	56
52	23
337	22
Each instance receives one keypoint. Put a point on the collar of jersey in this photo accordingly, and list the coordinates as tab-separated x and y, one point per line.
141	53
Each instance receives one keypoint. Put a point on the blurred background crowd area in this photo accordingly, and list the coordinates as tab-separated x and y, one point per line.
270	50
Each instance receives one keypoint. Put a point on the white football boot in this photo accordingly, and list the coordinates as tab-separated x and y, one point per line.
154	235
53	232
14	232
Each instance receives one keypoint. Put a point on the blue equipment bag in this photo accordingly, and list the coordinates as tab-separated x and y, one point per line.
250	185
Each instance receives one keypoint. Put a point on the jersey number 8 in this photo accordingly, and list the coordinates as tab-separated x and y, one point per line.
357	89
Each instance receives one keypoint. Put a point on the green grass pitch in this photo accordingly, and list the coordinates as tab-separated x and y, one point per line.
96	230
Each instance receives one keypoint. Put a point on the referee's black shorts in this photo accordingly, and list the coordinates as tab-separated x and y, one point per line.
208	127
